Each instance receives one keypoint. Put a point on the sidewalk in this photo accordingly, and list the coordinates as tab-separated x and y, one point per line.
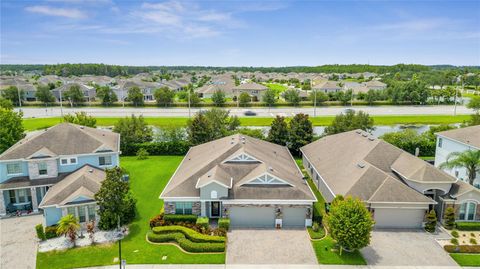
267	266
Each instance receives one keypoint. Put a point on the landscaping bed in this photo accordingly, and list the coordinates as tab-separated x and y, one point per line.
316	235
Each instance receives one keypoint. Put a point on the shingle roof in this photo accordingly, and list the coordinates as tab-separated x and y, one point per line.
327	85
64	139
84	182
355	163
251	86
213	158
468	135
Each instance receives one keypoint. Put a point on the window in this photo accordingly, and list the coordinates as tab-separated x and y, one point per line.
64	161
68	161
456	173
91	212
14	168
73	160
467	211
213	195
71	211
13	196
22	195
105	160
183	208
440	142
42	169
81	214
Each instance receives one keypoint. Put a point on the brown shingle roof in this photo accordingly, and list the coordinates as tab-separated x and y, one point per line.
251	86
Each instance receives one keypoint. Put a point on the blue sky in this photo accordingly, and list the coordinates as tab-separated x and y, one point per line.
240	33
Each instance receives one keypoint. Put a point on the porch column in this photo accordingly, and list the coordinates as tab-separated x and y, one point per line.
33	193
3	210
203	210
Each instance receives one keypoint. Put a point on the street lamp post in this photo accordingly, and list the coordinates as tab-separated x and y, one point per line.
314	99
189	113
455	105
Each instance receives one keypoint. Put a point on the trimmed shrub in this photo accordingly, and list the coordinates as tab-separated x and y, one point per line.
315	227
157	221
172	218
203	222
184	243
142	154
317	213
51	232
224	223
449	218
454	241
455	233
431	221
40	232
159	148
462	248
189	234
473	241
468	226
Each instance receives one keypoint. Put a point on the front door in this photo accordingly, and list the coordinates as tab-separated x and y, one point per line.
215	209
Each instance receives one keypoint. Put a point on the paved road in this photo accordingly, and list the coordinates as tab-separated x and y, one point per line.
18	242
30	112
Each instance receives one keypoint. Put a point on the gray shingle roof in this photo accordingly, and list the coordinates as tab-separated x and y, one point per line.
468	135
64	139
251	86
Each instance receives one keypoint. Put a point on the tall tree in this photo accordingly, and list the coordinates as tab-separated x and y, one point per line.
11	128
115	201
135	96
5	103
470	160
218	98
12	93
300	132
244	99
106	95
278	132
81	118
350	121
132	130
44	94
292	97
269	97
320	97
164	96
68	226
75	95
199	129
350	224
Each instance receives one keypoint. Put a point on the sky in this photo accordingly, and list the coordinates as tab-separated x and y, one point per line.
240	33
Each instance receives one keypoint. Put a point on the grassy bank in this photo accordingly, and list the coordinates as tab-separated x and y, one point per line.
41	123
464	259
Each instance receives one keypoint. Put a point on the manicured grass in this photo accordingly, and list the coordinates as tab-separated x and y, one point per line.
148	178
278	88
41	123
316	235
328	254
466	259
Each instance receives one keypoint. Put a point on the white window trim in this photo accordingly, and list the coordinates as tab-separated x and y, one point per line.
14	174
68	161
468	203
214	195
105	156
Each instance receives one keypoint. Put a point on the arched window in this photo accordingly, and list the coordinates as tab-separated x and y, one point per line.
213	195
467	211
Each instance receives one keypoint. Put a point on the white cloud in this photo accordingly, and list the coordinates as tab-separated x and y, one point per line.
71	13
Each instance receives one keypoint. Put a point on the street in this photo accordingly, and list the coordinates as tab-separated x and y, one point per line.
37	112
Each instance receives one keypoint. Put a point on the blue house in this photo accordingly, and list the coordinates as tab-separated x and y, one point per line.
68	155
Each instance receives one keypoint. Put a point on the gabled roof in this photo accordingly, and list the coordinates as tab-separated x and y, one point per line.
460	188
212	159
355	163
468	135
251	86
84	183
327	85
63	139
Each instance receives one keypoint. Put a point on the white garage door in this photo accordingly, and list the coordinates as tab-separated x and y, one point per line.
398	218
293	217
252	217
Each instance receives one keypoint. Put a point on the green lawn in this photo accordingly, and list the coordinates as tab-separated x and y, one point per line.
148	178
41	123
466	259
278	88
316	235
327	254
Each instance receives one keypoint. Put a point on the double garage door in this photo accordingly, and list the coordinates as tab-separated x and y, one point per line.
398	218
264	217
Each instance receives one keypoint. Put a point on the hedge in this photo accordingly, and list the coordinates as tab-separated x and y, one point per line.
468	226
189	234
203	222
159	148
180	218
184	243
224	223
462	248
40	232
51	232
317	212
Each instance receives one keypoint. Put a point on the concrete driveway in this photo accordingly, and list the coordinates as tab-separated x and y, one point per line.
269	247
18	242
406	248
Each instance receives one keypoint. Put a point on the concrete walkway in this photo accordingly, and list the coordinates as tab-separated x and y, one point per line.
269	266
18	242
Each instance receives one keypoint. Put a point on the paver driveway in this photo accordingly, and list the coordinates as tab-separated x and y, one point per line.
269	247
405	248
18	242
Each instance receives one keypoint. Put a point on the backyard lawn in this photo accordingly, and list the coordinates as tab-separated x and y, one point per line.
148	178
466	259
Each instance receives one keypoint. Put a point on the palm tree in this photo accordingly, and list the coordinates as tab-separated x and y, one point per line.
469	159
68	226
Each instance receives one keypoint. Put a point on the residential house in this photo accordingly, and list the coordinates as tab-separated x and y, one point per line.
397	187
253	182
327	86
253	89
57	170
375	85
147	88
457	140
89	92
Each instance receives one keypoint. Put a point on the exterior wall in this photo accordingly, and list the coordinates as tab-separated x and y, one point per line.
206	191
52	168
449	146
3	171
471	196
422	187
88	159
321	185
196	208
52	215
169	208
